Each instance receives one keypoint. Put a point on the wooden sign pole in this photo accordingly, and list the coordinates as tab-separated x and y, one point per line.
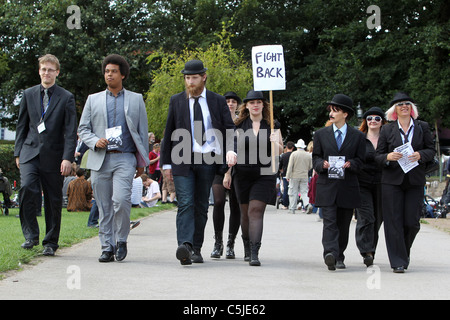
272	130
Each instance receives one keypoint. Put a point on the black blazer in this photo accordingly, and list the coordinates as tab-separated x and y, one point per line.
344	193
178	117
58	141
390	138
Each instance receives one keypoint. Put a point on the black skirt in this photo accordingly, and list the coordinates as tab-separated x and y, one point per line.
250	184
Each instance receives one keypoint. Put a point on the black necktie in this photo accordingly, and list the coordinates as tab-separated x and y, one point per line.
198	116
405	136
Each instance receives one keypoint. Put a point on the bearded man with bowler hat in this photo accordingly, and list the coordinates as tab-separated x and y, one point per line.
338	197
196	130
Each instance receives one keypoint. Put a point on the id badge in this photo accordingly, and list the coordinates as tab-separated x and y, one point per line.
41	127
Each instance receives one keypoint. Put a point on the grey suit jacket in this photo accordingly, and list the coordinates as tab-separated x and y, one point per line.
94	122
58	141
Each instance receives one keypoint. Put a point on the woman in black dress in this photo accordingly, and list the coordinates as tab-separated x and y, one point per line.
253	179
219	195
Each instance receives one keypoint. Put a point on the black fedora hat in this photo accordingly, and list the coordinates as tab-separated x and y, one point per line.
344	102
375	111
254	95
401	96
194	67
232	95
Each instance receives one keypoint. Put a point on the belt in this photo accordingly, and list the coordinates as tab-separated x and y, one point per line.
114	151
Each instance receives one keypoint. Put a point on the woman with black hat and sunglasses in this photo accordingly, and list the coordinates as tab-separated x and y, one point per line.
369	217
402	192
253	179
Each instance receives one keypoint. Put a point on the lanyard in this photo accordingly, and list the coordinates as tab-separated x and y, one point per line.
44	109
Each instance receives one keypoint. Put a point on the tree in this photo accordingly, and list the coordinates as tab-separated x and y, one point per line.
227	71
29	29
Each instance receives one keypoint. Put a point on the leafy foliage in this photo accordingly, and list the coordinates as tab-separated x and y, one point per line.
227	71
328	49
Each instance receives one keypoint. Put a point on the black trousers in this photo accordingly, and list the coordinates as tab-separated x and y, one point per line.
336	225
401	214
32	178
369	218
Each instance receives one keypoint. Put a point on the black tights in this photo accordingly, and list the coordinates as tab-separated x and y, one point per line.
219	193
252	215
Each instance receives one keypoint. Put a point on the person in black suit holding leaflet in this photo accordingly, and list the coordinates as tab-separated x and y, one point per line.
338	195
403	193
46	138
195	144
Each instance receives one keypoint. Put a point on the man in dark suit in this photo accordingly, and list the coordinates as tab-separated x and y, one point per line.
197	125
337	197
46	138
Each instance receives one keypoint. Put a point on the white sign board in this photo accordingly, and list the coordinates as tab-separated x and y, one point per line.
268	68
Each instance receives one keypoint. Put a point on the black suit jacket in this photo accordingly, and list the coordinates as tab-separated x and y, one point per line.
344	193
58	141
390	138
178	117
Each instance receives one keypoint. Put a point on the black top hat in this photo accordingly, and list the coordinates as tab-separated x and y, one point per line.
254	95
232	95
375	110
401	96
194	67
344	102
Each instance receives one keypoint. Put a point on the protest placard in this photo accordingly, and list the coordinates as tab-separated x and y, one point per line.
268	68
268	75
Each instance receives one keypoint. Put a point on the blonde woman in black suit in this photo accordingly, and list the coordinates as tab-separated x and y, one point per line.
402	192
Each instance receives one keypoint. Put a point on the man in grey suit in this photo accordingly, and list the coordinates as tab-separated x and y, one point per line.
46	138
114	127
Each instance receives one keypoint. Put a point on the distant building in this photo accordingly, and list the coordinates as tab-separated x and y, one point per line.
6	134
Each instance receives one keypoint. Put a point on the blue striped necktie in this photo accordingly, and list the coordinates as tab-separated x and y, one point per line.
339	139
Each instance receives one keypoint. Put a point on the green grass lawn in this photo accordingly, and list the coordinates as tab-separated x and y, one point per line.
73	230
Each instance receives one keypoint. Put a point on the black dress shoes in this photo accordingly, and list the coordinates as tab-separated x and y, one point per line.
330	261
48	251
121	251
399	269
107	256
197	256
368	259
29	244
184	254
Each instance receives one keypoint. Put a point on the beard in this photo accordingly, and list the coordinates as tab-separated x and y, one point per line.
195	91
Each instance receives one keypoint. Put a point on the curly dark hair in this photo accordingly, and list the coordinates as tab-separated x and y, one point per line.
118	60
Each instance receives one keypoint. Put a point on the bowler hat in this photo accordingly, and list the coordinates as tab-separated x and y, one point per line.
254	95
194	67
232	95
401	96
344	102
374	110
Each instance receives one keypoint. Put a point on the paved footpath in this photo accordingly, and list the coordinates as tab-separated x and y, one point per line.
292	268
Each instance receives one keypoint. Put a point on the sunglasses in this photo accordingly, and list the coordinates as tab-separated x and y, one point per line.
403	103
376	118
